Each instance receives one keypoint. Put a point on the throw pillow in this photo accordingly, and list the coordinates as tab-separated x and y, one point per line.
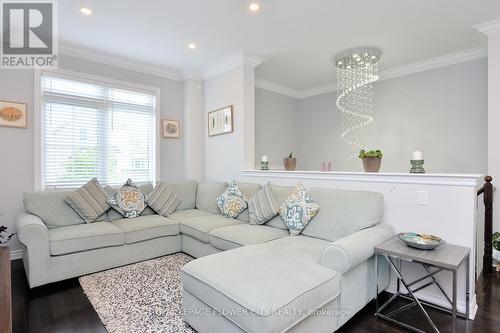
298	210
128	200
232	202
263	206
89	201
163	200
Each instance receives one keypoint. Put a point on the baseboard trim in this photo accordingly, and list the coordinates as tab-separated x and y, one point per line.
16	254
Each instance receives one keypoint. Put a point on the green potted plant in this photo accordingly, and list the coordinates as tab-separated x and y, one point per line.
290	162
372	159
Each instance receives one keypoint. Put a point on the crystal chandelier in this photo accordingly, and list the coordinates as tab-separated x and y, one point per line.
357	69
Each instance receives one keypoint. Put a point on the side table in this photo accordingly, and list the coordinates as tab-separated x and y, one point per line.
445	257
5	292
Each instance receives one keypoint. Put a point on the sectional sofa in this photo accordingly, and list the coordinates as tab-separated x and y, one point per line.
247	278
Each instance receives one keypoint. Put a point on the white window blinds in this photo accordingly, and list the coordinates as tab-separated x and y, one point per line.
95	129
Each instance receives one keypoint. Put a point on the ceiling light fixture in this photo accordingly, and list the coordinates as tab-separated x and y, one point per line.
86	11
192	46
254	6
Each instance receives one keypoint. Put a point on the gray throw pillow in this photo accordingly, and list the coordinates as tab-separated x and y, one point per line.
263	205
89	201
163	200
128	200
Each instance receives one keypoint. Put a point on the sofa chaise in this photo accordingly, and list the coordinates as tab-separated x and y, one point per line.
247	278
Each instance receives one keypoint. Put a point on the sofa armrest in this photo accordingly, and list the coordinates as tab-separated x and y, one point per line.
33	234
30	228
350	251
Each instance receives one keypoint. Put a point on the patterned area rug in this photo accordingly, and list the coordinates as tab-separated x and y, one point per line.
142	297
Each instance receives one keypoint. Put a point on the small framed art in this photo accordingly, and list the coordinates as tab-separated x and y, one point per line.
220	121
13	114
170	128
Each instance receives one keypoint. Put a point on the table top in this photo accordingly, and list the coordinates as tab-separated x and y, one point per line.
446	255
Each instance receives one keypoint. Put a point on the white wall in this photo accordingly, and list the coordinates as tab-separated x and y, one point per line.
275	118
226	155
16	145
442	112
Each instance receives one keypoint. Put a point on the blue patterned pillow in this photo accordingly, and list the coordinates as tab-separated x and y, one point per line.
298	210
128	200
232	202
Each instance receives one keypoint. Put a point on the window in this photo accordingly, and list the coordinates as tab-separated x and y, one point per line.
95	129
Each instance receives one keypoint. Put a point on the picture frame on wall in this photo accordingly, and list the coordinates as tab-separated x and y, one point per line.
13	114
220	121
170	128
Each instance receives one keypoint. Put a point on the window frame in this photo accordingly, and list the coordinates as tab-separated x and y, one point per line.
84	77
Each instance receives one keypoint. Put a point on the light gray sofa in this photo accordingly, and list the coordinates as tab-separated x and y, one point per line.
259	279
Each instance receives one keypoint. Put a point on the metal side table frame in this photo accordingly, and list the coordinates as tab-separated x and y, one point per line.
394	252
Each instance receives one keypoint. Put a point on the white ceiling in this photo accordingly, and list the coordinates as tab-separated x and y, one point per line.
297	38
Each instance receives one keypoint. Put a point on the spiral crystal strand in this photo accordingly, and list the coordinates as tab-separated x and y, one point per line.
356	71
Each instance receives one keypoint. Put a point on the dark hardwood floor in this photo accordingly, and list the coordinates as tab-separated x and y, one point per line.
62	307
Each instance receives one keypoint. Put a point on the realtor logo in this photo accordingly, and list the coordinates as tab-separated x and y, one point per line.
28	34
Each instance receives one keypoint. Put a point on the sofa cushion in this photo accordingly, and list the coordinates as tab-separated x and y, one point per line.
128	200
206	196
281	193
51	208
84	237
232	202
163	199
284	277
248	190
298	210
90	201
233	236
343	212
114	215
180	215
146	227
199	227
186	191
263	206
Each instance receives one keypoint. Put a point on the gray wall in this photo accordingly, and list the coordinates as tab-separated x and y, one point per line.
275	123
17	145
442	112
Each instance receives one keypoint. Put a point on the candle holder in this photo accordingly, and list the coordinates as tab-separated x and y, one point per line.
417	166
264	165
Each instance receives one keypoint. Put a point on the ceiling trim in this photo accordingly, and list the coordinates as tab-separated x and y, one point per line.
237	60
490	28
172	74
276	88
391	73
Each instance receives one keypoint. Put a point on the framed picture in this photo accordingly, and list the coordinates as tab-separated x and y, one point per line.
220	121
170	128
13	114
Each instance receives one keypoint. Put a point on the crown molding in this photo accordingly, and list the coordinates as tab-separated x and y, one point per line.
192	75
237	60
433	63
490	28
276	88
168	73
413	68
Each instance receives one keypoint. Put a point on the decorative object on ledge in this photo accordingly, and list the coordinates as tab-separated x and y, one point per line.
357	69
220	121
372	160
417	163
264	163
290	162
326	167
420	241
13	114
170	128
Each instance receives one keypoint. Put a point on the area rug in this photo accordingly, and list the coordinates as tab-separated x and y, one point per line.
142	297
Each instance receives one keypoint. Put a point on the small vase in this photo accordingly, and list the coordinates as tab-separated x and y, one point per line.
372	164
290	163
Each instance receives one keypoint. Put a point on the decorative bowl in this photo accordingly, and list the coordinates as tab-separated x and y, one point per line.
420	241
